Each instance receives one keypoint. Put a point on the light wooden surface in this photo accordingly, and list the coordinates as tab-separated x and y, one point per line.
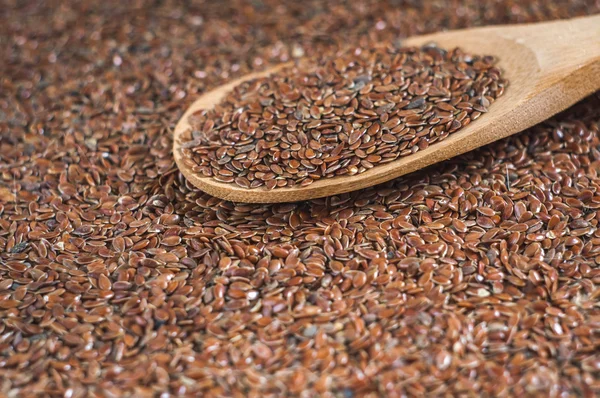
549	66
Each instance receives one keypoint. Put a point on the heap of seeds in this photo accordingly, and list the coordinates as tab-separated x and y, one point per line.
477	277
340	115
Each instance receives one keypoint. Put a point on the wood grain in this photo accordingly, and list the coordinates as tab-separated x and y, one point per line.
550	66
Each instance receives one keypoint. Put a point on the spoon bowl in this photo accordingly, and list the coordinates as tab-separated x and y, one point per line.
549	66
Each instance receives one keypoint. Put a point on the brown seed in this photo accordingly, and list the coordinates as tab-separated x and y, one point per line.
104	283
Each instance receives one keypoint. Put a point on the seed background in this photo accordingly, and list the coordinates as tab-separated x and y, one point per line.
477	276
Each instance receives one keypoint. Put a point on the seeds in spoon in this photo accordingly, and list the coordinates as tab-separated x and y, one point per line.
340	115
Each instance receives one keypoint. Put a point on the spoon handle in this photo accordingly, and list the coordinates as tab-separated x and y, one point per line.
560	47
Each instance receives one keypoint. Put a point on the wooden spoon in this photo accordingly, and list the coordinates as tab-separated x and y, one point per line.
549	66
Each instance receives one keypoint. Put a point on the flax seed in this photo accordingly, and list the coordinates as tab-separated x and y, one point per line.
476	277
